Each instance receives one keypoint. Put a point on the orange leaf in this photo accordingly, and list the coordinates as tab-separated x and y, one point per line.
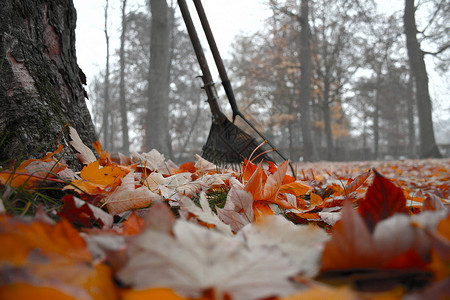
357	182
154	293
296	188
315	199
22	290
382	200
274	182
261	208
255	183
53	256
133	225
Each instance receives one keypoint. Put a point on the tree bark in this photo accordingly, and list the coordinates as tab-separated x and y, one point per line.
123	102
41	83
428	146
158	100
309	149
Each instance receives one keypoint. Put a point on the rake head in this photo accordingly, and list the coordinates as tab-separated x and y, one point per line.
228	144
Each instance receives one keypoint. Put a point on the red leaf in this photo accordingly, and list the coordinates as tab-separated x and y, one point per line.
382	200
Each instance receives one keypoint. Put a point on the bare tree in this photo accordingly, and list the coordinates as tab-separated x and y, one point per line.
106	108
122	100
428	146
157	129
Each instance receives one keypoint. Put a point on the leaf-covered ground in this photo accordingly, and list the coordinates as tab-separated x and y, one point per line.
141	227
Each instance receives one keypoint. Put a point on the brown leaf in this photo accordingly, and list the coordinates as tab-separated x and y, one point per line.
351	245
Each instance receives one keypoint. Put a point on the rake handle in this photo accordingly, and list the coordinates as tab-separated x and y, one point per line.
224	77
206	77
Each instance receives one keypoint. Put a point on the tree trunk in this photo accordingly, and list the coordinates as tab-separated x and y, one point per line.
309	150
107	136
123	102
428	146
158	103
327	118
411	128
41	83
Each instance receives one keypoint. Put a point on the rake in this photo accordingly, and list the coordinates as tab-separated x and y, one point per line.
226	143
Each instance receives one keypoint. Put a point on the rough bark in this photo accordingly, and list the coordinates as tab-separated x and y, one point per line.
41	83
428	146
123	102
158	103
309	151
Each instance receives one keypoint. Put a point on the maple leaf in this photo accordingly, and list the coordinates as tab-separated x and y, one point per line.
195	259
45	259
126	196
238	209
204	213
382	200
155	161
98	180
302	244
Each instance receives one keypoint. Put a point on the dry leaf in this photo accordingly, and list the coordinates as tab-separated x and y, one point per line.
238	209
85	155
197	259
302	244
127	196
205	214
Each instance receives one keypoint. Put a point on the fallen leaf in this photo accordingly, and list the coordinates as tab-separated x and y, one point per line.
302	244
351	245
382	200
205	214
81	213
127	196
197	259
238	209
85	155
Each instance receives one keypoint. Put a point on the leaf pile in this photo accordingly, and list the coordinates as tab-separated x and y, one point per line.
141	227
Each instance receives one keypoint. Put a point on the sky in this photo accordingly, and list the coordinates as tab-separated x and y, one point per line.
227	19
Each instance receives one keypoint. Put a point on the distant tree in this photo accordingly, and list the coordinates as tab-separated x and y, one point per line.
122	91
428	146
106	124
41	82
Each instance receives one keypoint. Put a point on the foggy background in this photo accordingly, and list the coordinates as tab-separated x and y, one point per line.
360	79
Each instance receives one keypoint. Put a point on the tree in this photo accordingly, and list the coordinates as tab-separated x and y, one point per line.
122	100
157	129
309	149
107	138
428	146
41	82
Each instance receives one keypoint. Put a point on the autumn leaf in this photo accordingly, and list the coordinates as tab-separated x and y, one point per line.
196	259
351	245
50	258
357	182
382	200
204	213
79	212
238	209
85	155
97	179
127	197
302	244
